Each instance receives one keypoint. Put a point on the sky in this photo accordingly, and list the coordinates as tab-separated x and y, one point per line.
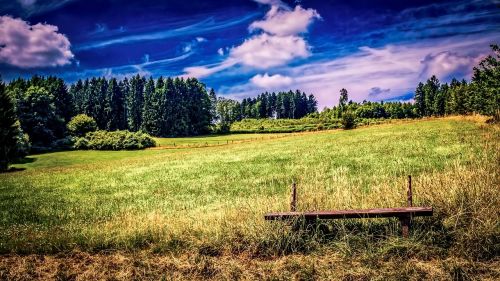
377	50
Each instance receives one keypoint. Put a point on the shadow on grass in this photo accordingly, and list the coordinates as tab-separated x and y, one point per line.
12	170
25	160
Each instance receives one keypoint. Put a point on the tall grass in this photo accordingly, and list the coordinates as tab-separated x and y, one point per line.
211	201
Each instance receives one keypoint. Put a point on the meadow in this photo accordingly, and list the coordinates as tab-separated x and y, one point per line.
197	213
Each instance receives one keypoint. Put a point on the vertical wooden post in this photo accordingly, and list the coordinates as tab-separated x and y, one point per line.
405	225
409	193
293	202
406	220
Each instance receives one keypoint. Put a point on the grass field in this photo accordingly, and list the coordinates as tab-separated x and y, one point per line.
198	213
213	140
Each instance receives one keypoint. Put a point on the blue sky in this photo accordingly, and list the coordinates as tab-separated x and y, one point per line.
377	50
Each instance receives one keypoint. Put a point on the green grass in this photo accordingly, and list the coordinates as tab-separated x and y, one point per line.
212	140
305	124
194	199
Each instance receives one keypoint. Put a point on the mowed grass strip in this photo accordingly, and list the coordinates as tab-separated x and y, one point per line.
215	197
214	140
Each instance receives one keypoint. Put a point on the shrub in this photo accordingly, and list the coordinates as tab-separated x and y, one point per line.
116	140
348	120
81	124
23	145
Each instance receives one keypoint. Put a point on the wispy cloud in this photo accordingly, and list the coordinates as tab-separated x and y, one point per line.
33	7
203	27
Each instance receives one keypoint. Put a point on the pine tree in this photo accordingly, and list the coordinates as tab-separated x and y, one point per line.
62	98
115	107
312	104
420	99
9	129
213	105
486	81
431	89
151	113
77	95
135	102
440	100
343	100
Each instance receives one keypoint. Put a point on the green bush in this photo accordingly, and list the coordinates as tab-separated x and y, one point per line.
81	124
116	140
348	120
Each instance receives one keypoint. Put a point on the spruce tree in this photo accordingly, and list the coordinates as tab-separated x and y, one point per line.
420	99
343	100
151	113
115	107
9	129
135	101
486	81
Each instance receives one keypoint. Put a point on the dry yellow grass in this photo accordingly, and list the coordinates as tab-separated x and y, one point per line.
197	213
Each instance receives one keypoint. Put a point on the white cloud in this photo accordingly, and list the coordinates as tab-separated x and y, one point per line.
27	46
265	51
275	46
285	23
380	73
201	39
271	82
220	51
444	63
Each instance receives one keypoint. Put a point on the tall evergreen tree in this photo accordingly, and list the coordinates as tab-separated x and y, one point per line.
62	98
486	81
312	104
343	99
431	89
152	111
115	108
420	99
78	96
9	129
135	103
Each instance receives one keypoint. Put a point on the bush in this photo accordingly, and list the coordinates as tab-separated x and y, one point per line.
116	140
348	120
81	125
23	145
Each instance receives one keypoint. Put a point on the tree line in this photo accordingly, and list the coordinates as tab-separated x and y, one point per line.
165	107
281	105
37	111
162	107
432	98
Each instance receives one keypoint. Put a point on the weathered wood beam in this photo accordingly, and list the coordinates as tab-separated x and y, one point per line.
346	214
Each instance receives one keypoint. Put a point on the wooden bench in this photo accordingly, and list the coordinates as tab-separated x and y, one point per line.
404	214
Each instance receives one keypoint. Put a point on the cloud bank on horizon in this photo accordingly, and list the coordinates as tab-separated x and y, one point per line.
376	51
